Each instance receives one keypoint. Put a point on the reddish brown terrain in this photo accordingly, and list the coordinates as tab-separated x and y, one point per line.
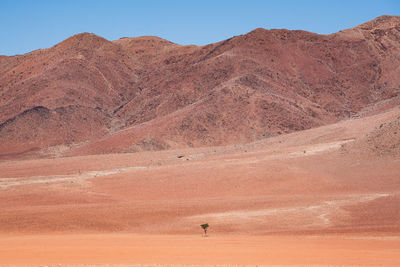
286	142
145	93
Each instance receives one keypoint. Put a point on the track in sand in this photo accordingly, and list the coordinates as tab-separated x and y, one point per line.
317	197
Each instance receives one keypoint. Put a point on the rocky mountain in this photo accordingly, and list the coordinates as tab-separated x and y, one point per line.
88	95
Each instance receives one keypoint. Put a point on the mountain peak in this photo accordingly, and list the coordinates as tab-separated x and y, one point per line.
381	22
84	39
148	93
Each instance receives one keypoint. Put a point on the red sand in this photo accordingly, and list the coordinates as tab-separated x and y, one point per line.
215	249
313	197
324	196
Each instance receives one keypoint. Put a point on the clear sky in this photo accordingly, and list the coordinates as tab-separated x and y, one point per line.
26	25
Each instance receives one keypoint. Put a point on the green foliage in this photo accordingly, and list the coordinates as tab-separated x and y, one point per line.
205	227
313	114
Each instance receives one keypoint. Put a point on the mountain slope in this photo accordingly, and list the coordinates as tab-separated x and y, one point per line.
148	93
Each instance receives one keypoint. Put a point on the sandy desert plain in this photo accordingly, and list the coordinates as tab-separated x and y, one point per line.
287	143
315	197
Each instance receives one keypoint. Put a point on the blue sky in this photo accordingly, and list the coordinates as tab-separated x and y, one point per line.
26	25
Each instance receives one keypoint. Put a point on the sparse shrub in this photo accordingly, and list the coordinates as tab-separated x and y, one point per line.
313	114
205	227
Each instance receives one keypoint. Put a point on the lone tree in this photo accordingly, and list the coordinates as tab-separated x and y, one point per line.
205	227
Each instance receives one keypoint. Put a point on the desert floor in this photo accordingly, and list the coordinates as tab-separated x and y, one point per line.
215	249
309	197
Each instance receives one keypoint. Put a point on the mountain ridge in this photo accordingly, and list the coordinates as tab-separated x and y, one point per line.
245	88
